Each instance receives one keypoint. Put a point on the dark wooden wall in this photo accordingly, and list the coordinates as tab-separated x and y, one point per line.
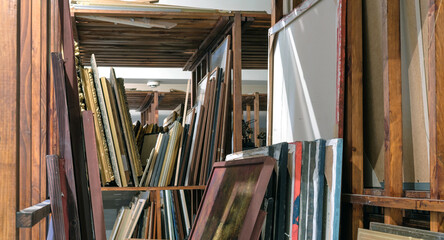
25	111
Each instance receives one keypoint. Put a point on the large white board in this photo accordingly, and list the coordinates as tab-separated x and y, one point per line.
305	59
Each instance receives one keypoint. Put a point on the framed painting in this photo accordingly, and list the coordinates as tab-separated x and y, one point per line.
276	200
232	199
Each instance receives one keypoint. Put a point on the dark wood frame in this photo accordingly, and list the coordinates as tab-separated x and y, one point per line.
256	201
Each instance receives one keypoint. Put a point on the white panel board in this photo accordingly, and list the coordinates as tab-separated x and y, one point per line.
305	76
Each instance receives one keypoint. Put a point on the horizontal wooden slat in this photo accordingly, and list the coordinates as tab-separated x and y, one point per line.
407	193
104	189
30	216
119	45
421	204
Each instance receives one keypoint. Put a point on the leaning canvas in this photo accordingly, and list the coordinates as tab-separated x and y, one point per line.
232	199
332	197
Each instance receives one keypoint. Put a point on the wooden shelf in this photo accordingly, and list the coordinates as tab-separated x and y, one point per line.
126	189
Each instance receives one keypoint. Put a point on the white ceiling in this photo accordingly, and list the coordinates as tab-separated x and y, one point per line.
231	5
175	78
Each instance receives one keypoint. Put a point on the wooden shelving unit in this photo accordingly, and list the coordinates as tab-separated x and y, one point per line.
126	189
116	197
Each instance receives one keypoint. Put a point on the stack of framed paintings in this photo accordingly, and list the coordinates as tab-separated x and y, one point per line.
303	197
119	158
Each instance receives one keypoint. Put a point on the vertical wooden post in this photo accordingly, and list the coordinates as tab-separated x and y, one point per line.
159	220
149	115
65	146
25	134
256	119
436	109
8	119
296	3
154	108
55	195
94	175
237	83
193	87
277	7
353	144
392	107
248	110
276	15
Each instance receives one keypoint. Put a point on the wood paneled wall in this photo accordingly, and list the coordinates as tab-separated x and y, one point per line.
24	37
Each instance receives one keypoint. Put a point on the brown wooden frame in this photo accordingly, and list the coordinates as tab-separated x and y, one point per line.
256	201
392	198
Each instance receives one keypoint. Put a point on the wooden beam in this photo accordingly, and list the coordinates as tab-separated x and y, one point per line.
296	3
65	147
277	7
420	204
30	216
237	83
271	44
93	175
155	108
392	107
72	97
248	110
353	144
216	31
146	102
256	119
436	109
55	195
25	110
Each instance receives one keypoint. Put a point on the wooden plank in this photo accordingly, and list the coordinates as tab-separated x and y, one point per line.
74	121
93	175
25	111
44	90
36	111
104	189
276	11
436	108
271	46
154	108
169	14
392	107
256	119
296	3
354	145
55	195
248	110
421	204
159	221
146	102
64	136
207	42
30	216
237	83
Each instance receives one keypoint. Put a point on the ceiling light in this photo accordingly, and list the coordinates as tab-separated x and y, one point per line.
153	84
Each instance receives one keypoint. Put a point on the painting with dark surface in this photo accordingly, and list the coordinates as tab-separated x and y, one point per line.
275	200
232	199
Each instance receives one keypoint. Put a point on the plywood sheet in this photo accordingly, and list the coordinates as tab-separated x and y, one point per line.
414	79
